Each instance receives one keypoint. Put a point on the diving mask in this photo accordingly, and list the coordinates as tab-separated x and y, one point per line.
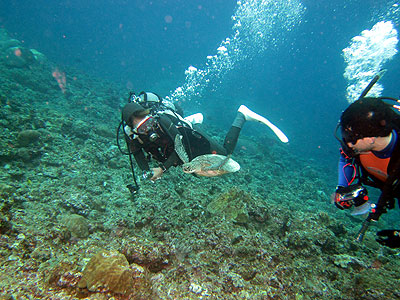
145	126
345	137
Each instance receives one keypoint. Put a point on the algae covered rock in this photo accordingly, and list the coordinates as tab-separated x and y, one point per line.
6	190
77	225
40	57
8	43
18	57
5	224
27	137
109	271
152	255
231	205
6	203
77	128
347	261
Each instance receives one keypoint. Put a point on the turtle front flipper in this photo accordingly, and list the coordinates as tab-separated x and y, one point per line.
180	149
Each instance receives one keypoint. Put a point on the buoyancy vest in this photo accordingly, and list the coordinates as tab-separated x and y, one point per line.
375	170
375	166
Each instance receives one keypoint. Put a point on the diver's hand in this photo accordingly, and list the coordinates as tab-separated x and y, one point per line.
157	173
392	238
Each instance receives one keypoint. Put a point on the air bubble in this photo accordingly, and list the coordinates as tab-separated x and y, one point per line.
366	56
255	22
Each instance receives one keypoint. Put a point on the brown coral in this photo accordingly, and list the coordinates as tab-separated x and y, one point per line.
109	271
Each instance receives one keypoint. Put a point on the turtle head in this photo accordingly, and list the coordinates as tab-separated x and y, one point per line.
189	168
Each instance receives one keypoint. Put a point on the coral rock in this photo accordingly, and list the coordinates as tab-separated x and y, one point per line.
231	205
27	137
154	256
77	225
18	57
109	271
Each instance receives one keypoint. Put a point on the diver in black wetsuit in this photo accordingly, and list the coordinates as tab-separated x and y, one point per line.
155	132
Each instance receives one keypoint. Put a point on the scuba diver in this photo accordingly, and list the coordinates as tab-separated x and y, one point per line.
370	155
152	125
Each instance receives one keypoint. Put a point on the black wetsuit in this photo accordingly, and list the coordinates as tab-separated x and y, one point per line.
195	141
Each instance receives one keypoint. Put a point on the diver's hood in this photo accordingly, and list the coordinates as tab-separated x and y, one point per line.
130	109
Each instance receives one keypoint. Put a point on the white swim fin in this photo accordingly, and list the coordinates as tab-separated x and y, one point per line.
195	119
252	116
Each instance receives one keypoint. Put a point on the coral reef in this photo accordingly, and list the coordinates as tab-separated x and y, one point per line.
69	229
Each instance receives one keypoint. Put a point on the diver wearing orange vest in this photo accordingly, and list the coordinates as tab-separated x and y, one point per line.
371	154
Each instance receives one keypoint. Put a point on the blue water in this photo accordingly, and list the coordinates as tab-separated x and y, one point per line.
122	40
147	45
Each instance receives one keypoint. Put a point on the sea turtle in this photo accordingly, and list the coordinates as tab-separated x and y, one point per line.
208	165
211	165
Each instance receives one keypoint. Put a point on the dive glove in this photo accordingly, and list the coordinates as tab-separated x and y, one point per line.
392	238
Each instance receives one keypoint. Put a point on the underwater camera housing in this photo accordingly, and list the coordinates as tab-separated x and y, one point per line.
353	195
